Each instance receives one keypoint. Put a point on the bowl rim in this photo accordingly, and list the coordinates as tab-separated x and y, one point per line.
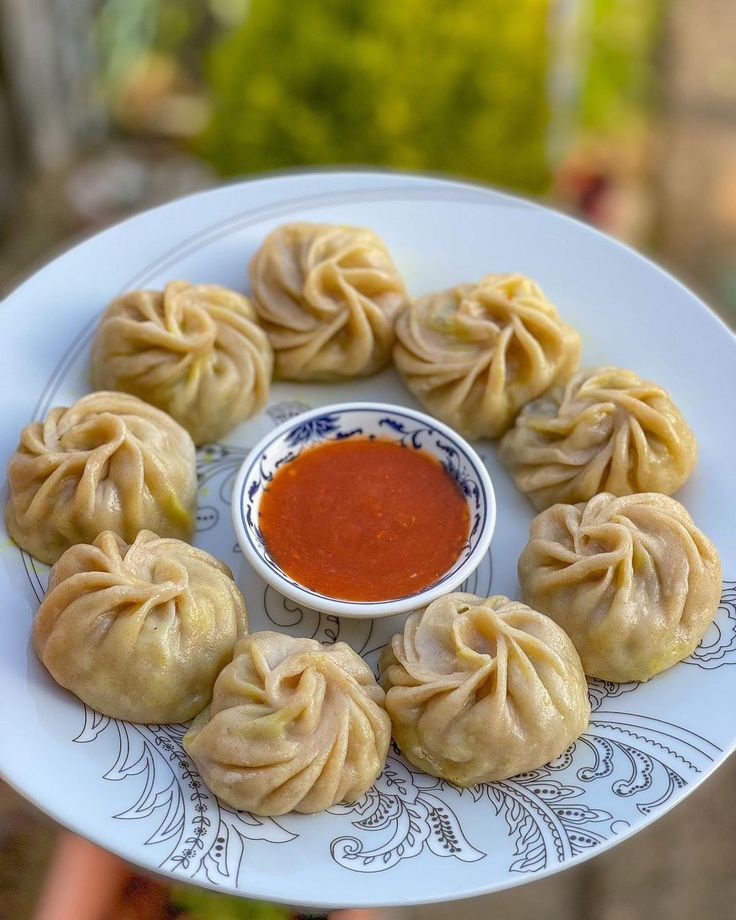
343	607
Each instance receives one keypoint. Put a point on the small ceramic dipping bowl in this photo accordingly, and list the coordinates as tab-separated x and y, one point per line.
414	431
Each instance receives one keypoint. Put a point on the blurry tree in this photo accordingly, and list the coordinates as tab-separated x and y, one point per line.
450	85
620	90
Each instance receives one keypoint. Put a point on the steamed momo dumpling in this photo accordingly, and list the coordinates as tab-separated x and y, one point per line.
606	430
293	726
139	632
476	353
194	350
480	689
328	296
109	462
631	580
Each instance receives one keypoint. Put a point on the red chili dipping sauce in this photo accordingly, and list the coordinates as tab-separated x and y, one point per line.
364	520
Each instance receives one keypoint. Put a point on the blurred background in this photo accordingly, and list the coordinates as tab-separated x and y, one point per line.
622	112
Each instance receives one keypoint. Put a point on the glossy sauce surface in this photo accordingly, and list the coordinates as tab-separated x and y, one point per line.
364	520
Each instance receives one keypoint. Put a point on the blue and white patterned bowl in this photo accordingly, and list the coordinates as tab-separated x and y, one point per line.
414	430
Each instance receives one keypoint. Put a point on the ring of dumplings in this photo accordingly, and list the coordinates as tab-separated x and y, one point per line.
631	580
293	726
476	353
195	351
109	462
143	627
139	632
605	430
328	296
481	689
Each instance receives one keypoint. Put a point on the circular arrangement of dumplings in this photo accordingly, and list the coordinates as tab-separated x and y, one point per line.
109	462
144	627
605	430
194	350
481	689
476	353
631	580
293	726
328	297
139	632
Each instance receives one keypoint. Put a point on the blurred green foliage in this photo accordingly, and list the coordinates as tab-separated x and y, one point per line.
201	904
450	85
620	85
489	89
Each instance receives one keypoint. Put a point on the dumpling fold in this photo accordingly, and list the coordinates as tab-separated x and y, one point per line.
606	430
195	351
631	579
293	726
109	462
476	353
481	689
328	297
139	632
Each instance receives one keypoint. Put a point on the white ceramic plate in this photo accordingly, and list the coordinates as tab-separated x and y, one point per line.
412	838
